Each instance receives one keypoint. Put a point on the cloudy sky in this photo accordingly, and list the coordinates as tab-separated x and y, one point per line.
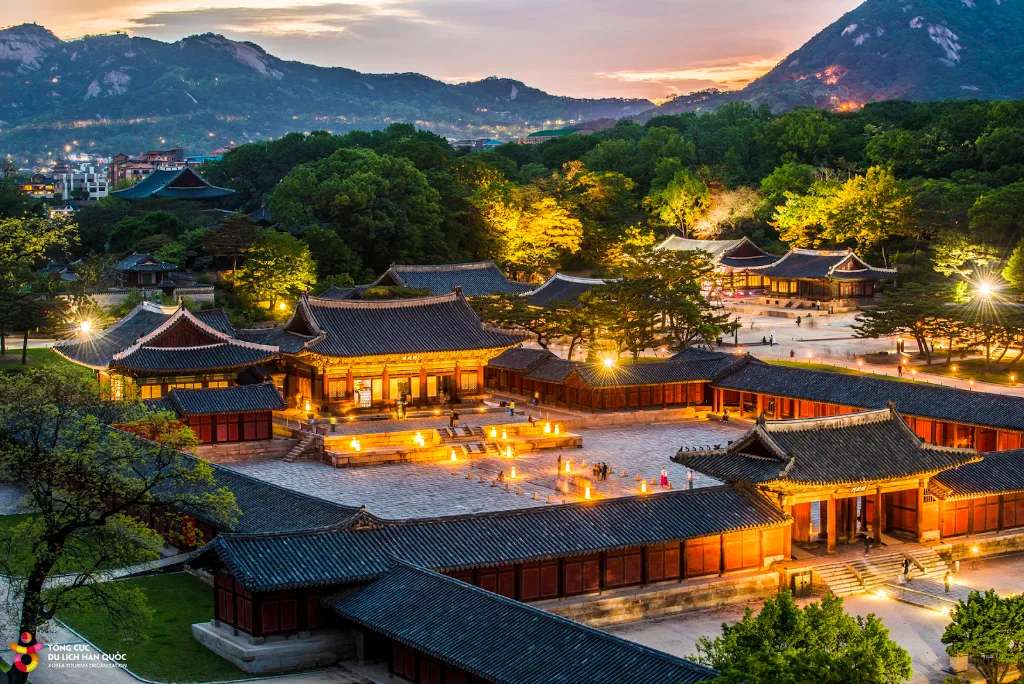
642	48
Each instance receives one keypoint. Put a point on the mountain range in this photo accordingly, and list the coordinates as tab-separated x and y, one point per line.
920	50
114	93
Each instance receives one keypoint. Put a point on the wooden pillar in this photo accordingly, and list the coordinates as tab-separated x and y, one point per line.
830	535
760	403
350	384
457	379
423	383
325	393
876	522
921	484
385	389
787	534
851	519
1000	523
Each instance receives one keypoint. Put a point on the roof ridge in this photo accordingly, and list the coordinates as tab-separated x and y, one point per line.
859	418
426	268
183	312
408	302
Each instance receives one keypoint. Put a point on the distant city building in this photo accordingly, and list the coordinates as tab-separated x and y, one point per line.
476	143
80	181
124	168
538	137
40	186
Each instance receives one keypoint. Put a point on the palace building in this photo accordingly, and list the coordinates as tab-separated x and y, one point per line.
346	354
835	276
174	184
731	259
869	473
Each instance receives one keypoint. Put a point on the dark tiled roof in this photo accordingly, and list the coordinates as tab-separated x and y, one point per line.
97	349
335	292
143	263
285	340
184	342
552	370
501	640
911	398
696	353
360	552
562	290
216	319
396	326
654	373
172	184
183	359
859	447
811	263
476	279
739	253
239	399
999	472
520	359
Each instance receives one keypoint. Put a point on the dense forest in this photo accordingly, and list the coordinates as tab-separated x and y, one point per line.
921	186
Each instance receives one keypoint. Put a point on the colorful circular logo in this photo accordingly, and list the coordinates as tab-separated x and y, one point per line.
27	649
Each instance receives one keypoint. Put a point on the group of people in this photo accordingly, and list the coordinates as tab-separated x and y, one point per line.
600	471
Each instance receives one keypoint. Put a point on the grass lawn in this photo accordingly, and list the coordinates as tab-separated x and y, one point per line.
164	651
974	369
38	358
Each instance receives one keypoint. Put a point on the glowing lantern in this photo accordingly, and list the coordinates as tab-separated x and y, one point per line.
308	406
557	429
494	433
568	467
504	435
586	491
452	456
547	427
356	446
508	451
643	486
513	476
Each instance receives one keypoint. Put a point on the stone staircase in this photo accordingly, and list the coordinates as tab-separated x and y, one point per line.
307	444
481	449
870	573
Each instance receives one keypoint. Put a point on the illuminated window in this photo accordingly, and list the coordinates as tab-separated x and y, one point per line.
150	392
468	381
217	384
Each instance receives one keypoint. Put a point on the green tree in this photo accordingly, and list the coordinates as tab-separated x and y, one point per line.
381	206
792	177
990	630
955	253
997	216
512	312
786	644
1013	272
333	257
868	210
912	310
680	202
277	265
230	239
87	483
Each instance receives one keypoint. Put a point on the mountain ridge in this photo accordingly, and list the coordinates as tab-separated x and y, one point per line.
920	50
118	92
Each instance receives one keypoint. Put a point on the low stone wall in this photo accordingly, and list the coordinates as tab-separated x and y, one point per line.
640	417
234	452
275	654
980	546
664	599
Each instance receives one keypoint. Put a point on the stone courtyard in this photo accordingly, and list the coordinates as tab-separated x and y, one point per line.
442	488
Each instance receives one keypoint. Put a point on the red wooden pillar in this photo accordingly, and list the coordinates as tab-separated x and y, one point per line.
876	519
385	389
458	378
423	383
920	511
830	535
350	384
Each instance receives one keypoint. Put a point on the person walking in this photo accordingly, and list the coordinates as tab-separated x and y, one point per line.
899	369
798	321
511	409
947	580
558	470
906	570
867	544
663	480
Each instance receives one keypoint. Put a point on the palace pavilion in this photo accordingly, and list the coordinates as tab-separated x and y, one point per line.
731	259
477	279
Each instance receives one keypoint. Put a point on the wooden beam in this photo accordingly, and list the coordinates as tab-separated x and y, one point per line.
876	518
830	514
920	510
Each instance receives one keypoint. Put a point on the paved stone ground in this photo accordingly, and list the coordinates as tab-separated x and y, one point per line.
917	629
429	489
466	418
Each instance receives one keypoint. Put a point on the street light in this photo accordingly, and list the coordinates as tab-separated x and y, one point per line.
609	362
85	327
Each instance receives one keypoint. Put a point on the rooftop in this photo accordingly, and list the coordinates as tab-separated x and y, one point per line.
239	399
365	547
739	253
820	263
860	447
179	184
563	290
910	398
475	279
997	473
393	326
143	263
487	635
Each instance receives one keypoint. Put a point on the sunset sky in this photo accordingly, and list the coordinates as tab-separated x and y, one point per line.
585	48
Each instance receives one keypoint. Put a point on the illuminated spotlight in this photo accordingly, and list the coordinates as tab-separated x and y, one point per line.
986	289
281	306
609	362
85	327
